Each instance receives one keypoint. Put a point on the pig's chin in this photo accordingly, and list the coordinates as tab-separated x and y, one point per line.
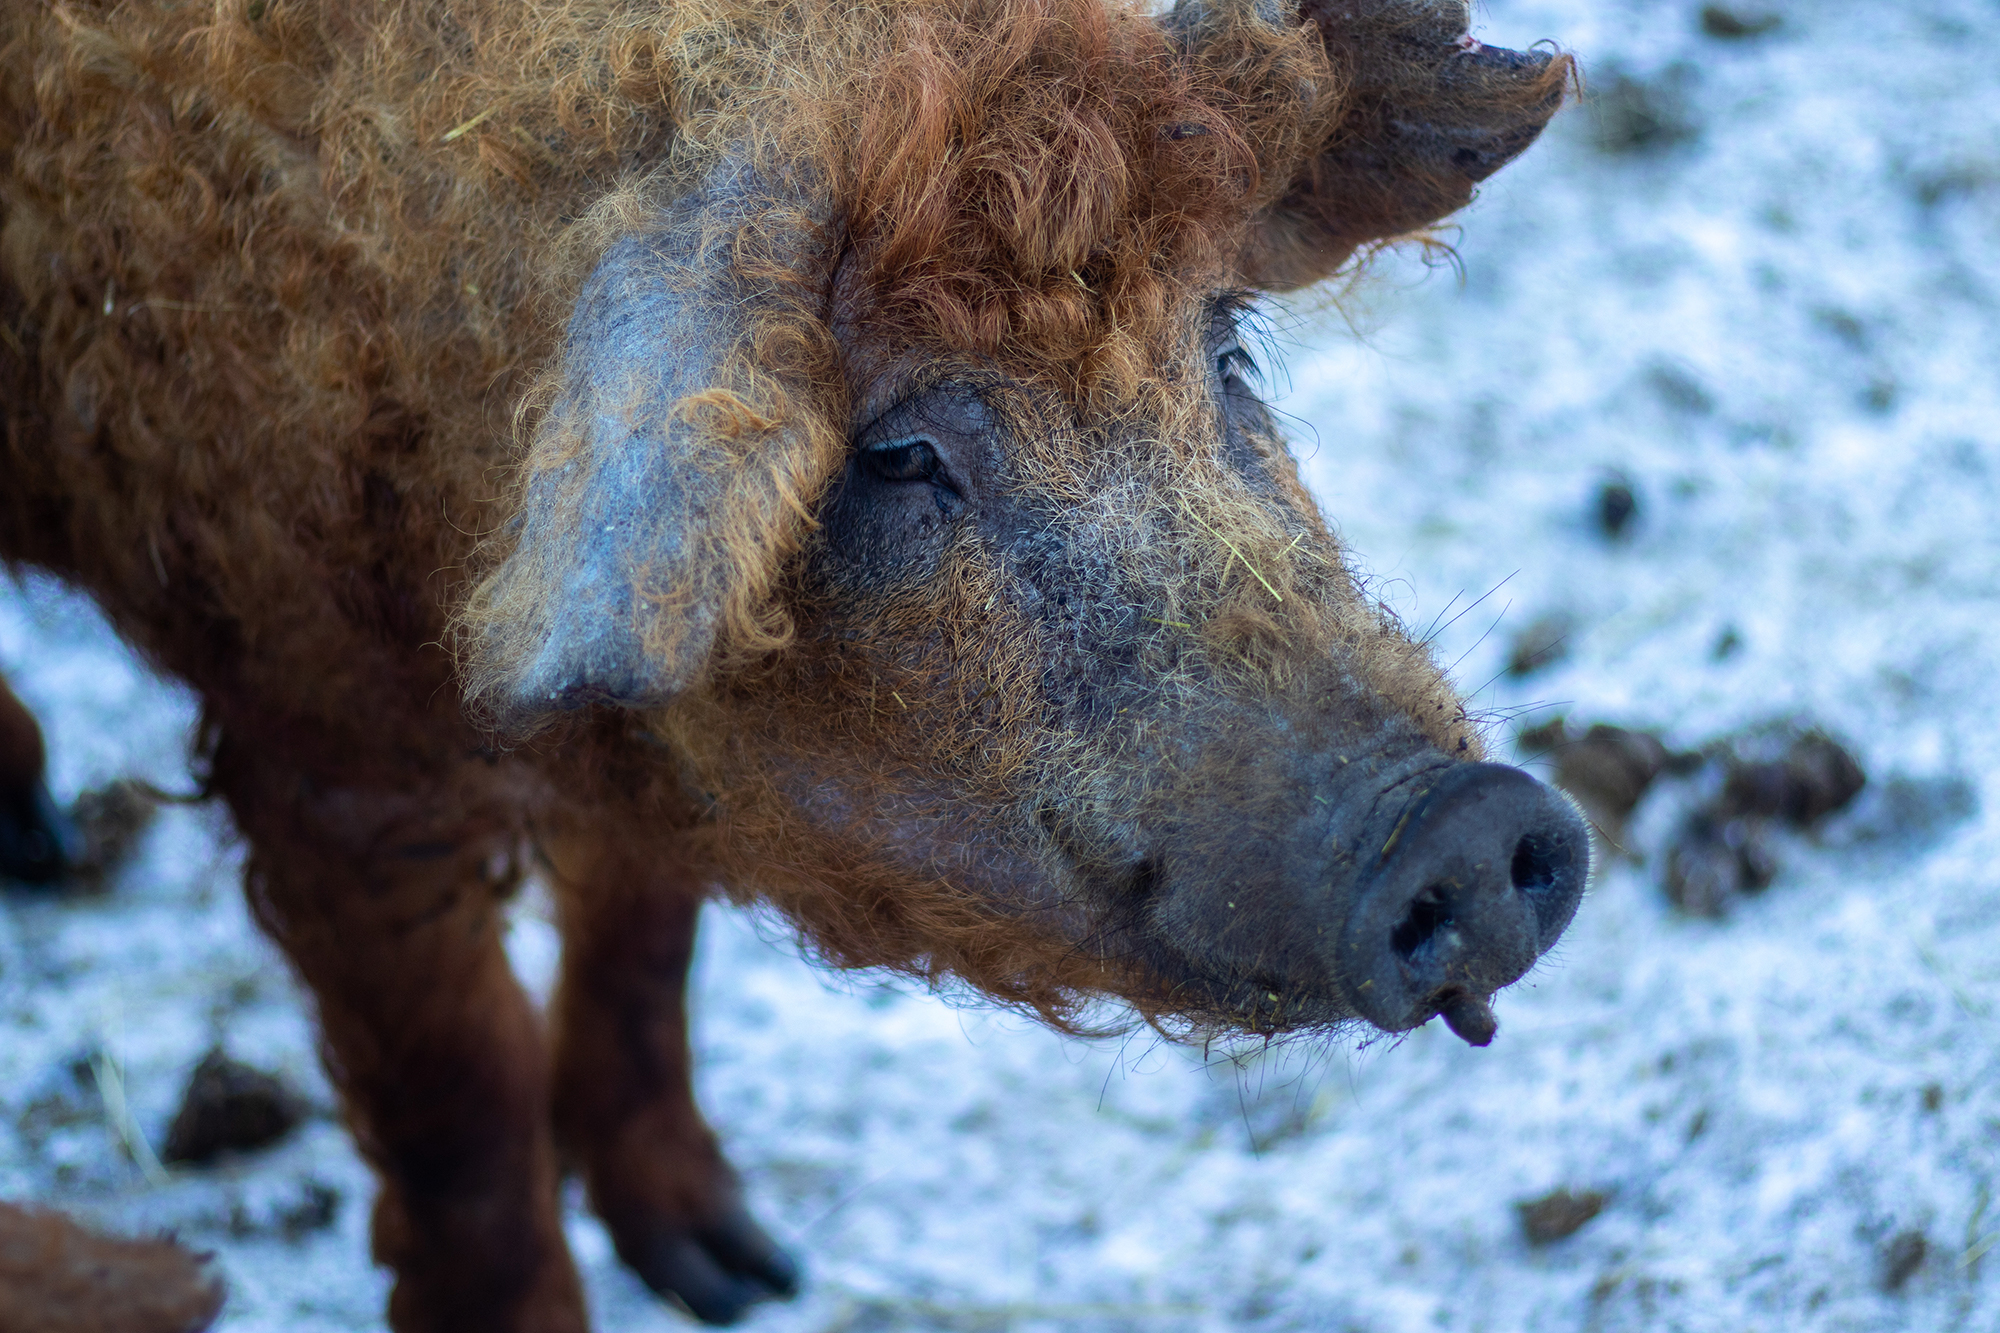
916	836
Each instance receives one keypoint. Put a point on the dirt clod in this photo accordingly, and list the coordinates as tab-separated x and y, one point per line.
1737	792
1556	1216
1643	115
1760	780
109	821
1811	779
1607	769
315	1211
231	1107
1713	862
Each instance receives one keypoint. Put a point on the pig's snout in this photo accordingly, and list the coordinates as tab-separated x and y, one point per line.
1475	877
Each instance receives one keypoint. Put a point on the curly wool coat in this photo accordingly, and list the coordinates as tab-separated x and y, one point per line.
283	292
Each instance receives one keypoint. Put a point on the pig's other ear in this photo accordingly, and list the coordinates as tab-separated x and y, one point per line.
1429	114
693	426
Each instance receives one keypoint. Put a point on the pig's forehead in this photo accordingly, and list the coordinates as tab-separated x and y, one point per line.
1160	370
1069	207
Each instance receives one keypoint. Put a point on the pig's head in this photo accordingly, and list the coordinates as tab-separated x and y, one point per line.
907	476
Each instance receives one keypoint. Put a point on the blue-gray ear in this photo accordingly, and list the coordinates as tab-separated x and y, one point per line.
695	419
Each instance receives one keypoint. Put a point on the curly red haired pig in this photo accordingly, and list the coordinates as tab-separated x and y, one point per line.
798	447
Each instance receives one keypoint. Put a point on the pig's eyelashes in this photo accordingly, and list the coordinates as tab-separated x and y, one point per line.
903	460
1233	363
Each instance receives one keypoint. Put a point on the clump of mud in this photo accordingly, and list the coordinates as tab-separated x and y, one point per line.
230	1107
1558	1215
1737	791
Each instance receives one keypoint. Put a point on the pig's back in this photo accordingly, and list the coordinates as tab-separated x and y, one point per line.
272	288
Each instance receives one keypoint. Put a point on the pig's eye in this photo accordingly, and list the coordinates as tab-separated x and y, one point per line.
1232	363
902	460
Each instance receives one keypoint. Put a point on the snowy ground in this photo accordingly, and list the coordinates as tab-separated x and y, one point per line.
1784	328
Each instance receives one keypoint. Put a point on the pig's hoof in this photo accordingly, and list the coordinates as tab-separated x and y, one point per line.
716	1272
38	844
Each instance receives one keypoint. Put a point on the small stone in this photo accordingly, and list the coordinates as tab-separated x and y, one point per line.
1902	1257
1736	24
231	1107
315	1211
1540	645
1617	505
109	821
1556	1216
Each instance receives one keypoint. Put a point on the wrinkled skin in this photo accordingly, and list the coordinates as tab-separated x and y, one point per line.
895	538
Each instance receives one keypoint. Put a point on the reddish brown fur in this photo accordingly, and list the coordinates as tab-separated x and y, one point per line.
275	280
57	1276
21	754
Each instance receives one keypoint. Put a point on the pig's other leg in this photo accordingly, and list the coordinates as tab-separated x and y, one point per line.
389	903
37	842
625	1110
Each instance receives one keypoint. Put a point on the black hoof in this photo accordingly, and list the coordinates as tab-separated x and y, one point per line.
38	844
715	1272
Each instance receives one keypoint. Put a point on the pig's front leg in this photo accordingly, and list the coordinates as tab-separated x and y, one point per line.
625	1109
389	904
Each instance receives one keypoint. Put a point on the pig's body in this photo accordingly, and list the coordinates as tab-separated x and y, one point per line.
895	539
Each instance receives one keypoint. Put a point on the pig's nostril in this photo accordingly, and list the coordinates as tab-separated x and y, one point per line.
1429	913
1534	869
1540	867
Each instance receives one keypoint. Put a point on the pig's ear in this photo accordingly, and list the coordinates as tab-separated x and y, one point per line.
693	426
1429	113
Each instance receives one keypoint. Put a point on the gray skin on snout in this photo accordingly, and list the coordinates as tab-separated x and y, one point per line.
1356	872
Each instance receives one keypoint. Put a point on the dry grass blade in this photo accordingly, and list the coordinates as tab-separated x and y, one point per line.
111	1087
1255	573
467	126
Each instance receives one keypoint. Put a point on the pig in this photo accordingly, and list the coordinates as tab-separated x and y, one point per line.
803	452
